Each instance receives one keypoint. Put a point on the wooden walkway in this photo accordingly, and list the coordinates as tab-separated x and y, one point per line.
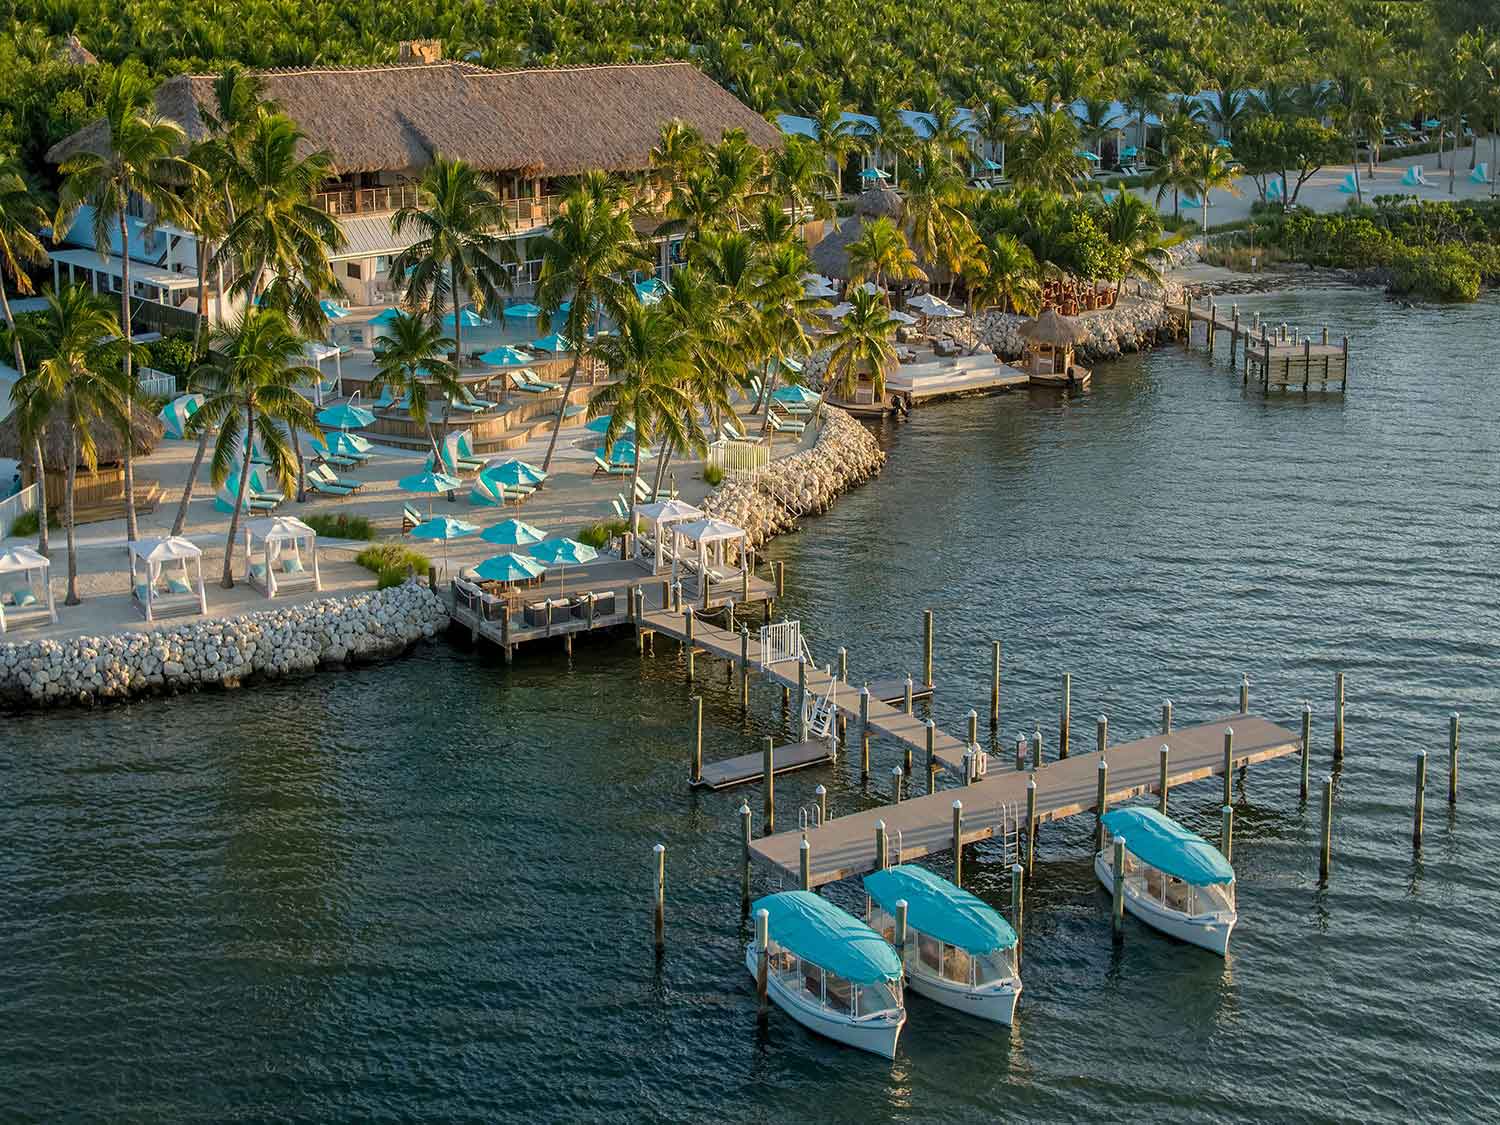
1274	356
751	767
845	847
886	720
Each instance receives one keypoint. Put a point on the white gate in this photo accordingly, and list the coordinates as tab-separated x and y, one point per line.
780	642
738	458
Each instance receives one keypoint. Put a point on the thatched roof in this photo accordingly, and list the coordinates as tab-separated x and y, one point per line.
146	430
1051	328
830	257
547	122
880	202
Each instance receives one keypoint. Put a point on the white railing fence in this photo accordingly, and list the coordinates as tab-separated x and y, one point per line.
14	507
739	458
780	642
157	383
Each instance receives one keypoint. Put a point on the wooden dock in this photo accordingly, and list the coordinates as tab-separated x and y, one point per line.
1275	356
751	767
845	847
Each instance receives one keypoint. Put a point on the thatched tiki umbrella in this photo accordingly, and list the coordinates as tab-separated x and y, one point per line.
1050	340
106	483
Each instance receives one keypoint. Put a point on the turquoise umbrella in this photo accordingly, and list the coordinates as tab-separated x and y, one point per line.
524	310
991	166
346	444
175	414
623	452
1432	123
796	393
428	482
471	319
1129	150
506	356
1091	157
344	415
509	568
651	290
443	528
513	533
560	552
601	424
556	343
512	472
873	174
1223	142
385	317
332	309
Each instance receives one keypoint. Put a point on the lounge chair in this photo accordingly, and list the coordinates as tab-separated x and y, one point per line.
325	475
1480	173
525	380
621	511
1415	177
1349	186
603	466
327	488
410	517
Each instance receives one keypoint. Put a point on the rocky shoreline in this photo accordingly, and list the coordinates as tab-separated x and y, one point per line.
221	652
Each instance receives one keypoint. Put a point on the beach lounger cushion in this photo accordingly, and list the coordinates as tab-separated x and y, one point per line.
292	566
178	586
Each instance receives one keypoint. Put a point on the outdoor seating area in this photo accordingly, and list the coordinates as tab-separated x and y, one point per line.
1070	296
25	589
281	556
166	578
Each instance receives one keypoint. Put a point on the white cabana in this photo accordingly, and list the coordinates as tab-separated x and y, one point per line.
158	593
315	352
711	538
26	599
661	515
281	553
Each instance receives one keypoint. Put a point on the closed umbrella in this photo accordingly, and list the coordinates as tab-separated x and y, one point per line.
345	414
442	529
175	414
344	444
560	552
513	533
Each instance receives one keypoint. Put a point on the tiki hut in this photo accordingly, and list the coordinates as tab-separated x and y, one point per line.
1050	340
100	493
830	257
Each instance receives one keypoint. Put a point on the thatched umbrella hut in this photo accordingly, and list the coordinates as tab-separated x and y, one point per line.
102	489
831	256
1050	340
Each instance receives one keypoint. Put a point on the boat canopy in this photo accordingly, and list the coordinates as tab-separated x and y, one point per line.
1169	847
939	909
820	932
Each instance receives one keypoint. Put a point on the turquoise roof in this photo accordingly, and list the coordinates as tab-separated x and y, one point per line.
820	932
940	910
1169	847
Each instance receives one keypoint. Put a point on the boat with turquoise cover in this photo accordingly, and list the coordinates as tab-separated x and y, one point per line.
1175	880
958	951
830	972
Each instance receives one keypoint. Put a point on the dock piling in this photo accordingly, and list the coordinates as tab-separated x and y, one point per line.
864	731
932	764
801	701
1416	820
973	727
1306	745
927	648
1065	716
843	665
1165	754
1166	717
1101	803
820	794
744	668
896	776
697	739
1338	717
1101	733
901	910
995	688
804	864
907	694
763	961
1226	832
1245	694
1031	825
1326	844
958	843
660	854
882	855
744	859
768	766
1017	906
1228	765
1020	754
1036	748
1453	758
1117	912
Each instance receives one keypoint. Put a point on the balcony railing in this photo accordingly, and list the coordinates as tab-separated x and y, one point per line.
520	214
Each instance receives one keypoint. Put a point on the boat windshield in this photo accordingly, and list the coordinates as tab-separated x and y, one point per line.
879	997
997	966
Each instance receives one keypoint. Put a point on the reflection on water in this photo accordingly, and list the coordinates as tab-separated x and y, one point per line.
423	890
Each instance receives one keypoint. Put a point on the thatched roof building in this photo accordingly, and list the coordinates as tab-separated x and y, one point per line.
147	432
830	257
540	122
1053	330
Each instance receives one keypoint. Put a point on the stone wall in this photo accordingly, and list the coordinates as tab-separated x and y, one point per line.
223	651
844	455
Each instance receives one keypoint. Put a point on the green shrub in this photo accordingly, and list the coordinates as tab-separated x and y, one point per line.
1445	273
341	526
29	523
172	354
713	475
390	561
598	535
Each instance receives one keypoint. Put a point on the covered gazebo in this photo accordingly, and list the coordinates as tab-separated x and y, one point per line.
98	492
661	515
28	599
315	352
159	593
712	539
1050	340
281	554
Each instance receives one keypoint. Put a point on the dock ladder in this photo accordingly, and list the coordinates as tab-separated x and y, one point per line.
821	712
1010	835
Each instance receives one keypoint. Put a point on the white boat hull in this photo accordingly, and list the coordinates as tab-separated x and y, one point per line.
876	1034
994	1002
1207	931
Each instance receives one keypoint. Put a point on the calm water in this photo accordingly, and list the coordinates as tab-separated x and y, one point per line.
422	890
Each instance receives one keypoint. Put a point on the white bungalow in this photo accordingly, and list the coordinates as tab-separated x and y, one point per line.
157	593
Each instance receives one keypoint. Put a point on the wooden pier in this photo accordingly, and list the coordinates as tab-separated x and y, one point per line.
845	847
1275	356
750	767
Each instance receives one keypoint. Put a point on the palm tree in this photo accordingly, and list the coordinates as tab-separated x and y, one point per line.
1205	168
940	231
586	252
678	150
250	379
1096	120
1145	97
1000	125
1180	130
1003	272
78	337
785	309
1048	158
281	239
1132	225
896	137
648	356
460	252
862	345
139	158
21	216
881	253
836	137
411	353
699	306
800	175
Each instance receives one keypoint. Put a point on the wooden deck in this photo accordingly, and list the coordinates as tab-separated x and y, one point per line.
892	722
751	767
1275	356
845	847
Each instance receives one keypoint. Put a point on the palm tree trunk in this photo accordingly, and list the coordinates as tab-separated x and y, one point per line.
72	598
227	580
42	543
202	296
635	478
563	406
301	464
130	526
458	328
661	462
180	520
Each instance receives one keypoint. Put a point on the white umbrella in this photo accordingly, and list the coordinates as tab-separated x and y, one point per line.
929	304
